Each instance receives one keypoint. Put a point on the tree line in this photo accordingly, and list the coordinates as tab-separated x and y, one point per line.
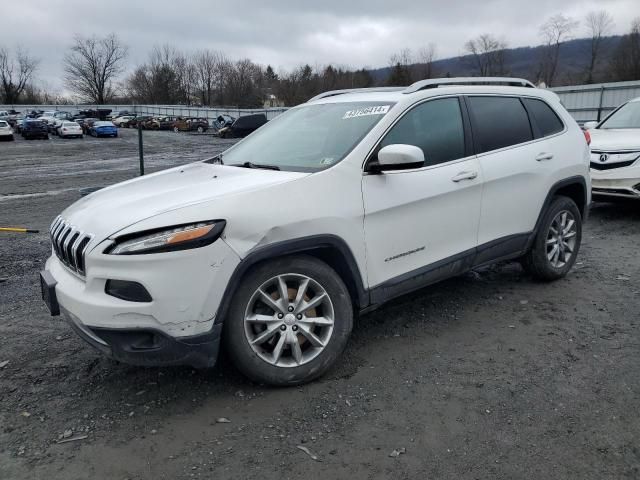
94	69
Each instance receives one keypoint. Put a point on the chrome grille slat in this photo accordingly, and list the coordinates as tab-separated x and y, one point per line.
69	244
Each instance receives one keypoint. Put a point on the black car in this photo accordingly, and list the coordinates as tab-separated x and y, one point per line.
243	126
34	129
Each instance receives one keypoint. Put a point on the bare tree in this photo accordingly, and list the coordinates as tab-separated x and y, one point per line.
209	66
487	54
400	74
554	32
598	25
92	65
626	58
15	73
426	56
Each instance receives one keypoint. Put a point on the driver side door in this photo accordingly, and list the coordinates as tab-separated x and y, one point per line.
421	224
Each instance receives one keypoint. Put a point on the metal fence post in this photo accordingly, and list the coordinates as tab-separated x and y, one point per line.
140	150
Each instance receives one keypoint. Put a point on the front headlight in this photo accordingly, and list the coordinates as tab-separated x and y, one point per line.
180	237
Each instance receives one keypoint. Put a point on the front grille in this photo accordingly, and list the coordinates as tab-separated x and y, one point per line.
609	166
69	244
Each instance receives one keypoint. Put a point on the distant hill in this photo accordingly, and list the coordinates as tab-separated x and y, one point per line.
524	62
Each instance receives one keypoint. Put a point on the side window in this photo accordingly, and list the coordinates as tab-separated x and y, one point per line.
435	127
499	122
545	118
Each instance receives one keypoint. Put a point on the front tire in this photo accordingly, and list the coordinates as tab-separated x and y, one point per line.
557	241
289	321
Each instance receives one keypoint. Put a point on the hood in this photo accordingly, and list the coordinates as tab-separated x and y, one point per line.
615	139
109	210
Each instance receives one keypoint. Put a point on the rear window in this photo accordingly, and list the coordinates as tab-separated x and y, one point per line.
3	123
499	122
544	117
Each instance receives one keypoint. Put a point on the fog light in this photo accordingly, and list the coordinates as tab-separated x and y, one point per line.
125	290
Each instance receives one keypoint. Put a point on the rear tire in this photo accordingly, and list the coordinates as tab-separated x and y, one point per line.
557	241
293	339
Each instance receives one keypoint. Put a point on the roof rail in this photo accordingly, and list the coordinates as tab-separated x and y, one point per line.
333	93
441	82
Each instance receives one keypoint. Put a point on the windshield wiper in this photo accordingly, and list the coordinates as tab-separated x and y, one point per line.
215	160
256	165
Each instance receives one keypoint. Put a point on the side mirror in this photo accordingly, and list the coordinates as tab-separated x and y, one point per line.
397	157
589	125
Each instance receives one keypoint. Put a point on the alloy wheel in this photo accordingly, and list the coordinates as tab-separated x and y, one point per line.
289	320
561	239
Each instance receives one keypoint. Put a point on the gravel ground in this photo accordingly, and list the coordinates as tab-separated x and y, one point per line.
489	375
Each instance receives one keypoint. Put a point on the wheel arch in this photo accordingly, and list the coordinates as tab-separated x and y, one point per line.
330	249
572	187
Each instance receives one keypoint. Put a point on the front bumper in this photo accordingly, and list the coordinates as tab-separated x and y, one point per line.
618	182
148	347
177	327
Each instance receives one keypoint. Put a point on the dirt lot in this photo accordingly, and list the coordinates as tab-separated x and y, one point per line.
490	375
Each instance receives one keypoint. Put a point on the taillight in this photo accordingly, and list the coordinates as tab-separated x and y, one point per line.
587	137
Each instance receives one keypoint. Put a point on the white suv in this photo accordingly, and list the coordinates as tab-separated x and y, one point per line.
331	209
615	153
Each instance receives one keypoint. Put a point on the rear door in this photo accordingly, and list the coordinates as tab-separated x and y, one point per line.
517	164
419	217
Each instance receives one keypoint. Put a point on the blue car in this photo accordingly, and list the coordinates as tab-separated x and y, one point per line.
103	129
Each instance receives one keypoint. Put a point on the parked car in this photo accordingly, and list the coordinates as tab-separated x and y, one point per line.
62	115
103	129
223	121
100	114
161	123
34	128
6	132
432	182
141	119
87	123
199	125
123	121
49	120
17	127
243	126
13	119
55	125
113	115
69	130
615	153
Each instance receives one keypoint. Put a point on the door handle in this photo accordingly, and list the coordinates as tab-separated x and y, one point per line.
464	176
544	156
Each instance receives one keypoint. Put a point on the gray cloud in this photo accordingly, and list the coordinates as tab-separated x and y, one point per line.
286	33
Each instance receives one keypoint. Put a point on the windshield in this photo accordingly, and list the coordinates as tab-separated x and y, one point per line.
308	138
3	123
627	116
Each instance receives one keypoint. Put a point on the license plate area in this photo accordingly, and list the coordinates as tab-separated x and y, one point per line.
48	292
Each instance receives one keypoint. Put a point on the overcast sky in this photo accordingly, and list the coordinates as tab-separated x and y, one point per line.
286	33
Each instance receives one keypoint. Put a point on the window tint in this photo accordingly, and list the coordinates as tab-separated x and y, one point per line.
435	127
499	122
545	118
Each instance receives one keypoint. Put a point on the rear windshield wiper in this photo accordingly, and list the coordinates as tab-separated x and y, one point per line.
256	165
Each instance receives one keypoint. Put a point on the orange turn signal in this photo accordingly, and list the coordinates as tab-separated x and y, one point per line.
187	235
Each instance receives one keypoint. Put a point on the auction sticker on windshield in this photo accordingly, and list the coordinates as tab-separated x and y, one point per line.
363	112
